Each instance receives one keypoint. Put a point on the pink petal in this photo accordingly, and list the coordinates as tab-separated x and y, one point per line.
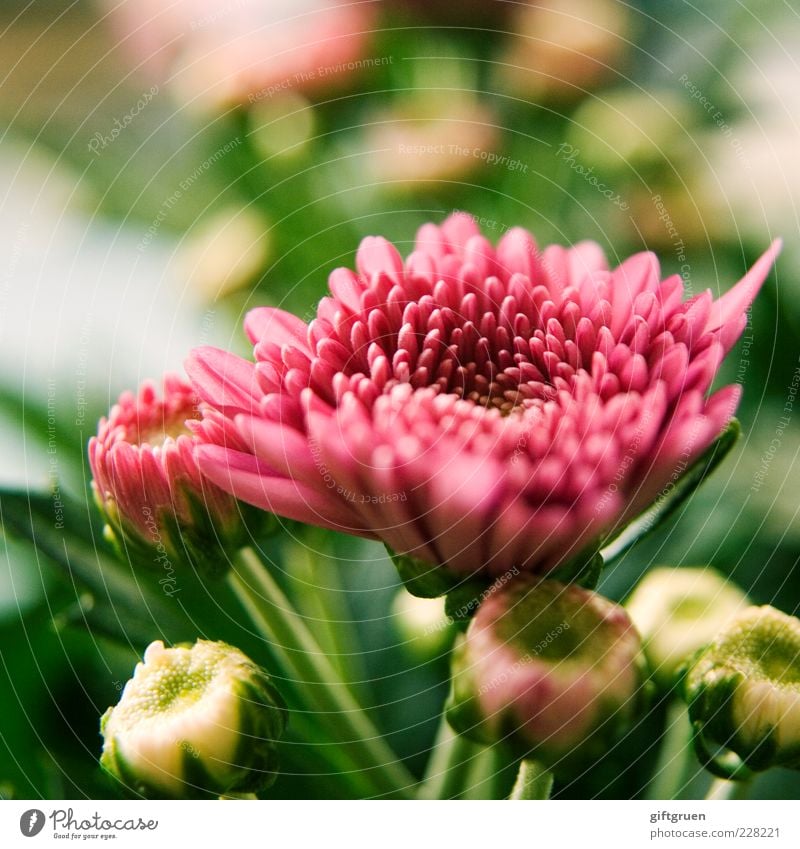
249	480
277	326
223	380
377	256
283	448
734	302
517	253
458	229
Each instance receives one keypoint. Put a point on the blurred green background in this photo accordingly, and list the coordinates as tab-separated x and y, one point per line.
167	166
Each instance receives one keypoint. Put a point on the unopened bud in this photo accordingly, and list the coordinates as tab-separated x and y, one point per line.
679	611
194	721
157	505
553	668
743	693
422	623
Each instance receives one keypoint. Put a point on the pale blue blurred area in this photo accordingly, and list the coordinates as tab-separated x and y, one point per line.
86	308
85	312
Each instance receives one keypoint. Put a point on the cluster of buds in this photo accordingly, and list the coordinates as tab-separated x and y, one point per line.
743	692
157	506
194	721
553	669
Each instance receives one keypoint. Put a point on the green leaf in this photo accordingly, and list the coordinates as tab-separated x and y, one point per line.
658	513
69	541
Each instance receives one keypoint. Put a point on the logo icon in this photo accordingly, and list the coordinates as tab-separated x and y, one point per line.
31	822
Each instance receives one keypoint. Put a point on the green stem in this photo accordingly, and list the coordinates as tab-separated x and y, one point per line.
676	751
326	608
485	774
534	781
722	788
333	702
449	765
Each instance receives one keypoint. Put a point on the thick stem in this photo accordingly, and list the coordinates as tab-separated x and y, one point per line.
325	607
287	633
449	765
722	788
676	752
534	781
486	771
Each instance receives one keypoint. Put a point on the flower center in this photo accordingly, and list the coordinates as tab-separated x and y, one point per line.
505	393
157	433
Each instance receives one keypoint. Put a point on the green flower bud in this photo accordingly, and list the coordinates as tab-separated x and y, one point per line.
422	623
194	721
743	693
552	668
678	611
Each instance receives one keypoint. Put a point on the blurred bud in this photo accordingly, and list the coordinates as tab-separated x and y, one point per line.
564	48
553	668
149	488
218	54
224	253
194	721
743	693
428	139
678	611
422	623
631	130
283	126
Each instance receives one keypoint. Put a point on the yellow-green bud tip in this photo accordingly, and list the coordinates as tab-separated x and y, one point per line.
743	690
194	721
679	611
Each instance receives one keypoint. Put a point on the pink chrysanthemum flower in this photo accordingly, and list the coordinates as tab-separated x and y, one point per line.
147	482
484	409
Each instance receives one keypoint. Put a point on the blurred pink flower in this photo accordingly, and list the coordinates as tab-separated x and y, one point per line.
476	407
245	49
145	477
563	49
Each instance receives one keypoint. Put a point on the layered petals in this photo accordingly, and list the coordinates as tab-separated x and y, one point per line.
475	407
147	481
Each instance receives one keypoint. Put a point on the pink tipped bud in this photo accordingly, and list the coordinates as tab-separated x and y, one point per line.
148	485
554	669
